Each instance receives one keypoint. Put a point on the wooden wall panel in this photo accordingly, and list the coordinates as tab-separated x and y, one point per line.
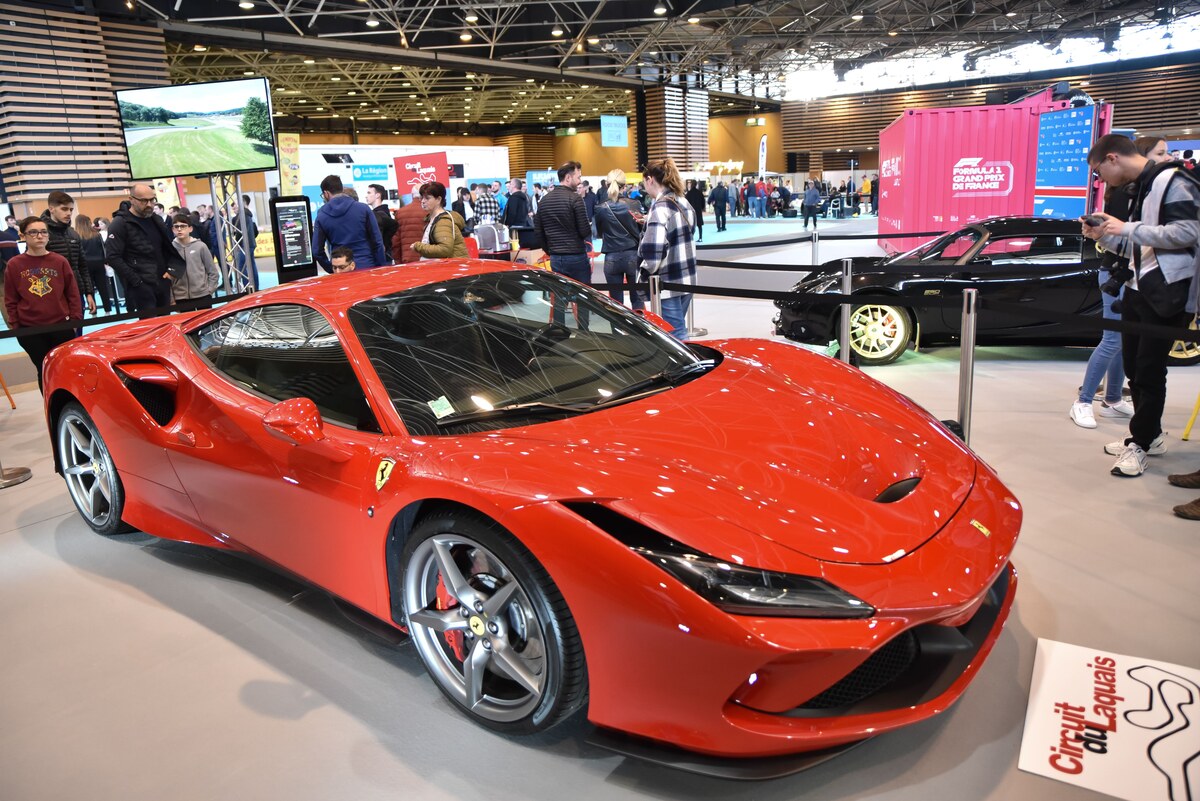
1147	100
59	125
528	152
677	125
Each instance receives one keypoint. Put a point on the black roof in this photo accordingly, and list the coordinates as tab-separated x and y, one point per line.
1028	225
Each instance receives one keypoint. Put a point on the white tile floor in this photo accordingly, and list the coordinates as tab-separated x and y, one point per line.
135	669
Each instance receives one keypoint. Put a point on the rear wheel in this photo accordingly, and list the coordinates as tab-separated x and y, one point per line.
89	471
1185	354
879	334
489	624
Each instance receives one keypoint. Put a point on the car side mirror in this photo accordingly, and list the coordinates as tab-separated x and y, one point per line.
298	421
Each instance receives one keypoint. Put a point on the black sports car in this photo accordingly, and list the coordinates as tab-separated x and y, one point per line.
1044	263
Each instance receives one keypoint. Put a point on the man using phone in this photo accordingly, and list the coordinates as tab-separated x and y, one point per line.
1161	239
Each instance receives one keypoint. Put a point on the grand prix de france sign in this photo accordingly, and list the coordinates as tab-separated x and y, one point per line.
1116	724
974	177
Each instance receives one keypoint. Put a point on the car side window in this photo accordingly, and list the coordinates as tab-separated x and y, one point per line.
288	351
1027	248
955	247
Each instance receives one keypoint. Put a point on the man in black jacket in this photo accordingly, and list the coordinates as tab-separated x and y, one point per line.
139	249
376	194
516	212
562	224
66	242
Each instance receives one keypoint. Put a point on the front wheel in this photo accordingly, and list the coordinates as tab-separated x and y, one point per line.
1185	354
89	471
879	334
490	626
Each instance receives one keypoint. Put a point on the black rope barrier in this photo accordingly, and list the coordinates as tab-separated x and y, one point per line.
140	314
808	237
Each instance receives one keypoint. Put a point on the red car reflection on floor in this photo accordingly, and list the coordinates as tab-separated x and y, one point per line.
734	549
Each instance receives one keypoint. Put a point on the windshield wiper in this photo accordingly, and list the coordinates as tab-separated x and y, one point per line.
670	377
516	409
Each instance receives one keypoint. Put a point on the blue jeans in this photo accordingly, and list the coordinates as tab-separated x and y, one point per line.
760	207
1105	359
674	311
619	268
579	267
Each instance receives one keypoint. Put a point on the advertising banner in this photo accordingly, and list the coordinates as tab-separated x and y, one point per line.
168	193
369	173
762	155
1121	725
614	131
289	163
1062	178
414	170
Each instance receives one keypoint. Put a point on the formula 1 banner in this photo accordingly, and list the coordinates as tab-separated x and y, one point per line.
412	171
1121	725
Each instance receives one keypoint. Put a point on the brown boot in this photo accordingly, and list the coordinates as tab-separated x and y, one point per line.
1185	480
1189	511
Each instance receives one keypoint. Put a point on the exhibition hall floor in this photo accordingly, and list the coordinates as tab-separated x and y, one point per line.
137	669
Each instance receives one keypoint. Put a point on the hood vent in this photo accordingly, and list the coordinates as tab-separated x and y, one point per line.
898	491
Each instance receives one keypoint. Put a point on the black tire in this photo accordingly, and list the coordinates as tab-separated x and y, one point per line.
500	615
879	333
87	466
1185	354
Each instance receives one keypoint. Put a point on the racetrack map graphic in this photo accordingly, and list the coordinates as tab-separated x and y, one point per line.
1116	724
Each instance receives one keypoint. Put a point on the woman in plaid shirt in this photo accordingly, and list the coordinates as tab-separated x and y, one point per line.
667	249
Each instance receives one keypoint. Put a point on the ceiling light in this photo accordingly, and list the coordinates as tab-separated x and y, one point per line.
199	48
406	83
396	68
729	104
372	22
628	91
693	20
471	17
412	97
310	61
893	33
556	30
470	75
856	17
660	9
652	53
579	47
248	72
246	4
319	108
301	100
335	78
363	103
420	103
469	89
1011	14
593	40
465	36
351	93
529	80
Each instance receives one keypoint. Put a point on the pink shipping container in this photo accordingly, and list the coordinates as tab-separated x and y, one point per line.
941	168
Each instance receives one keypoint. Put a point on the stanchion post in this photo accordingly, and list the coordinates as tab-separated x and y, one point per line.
816	243
693	331
13	475
844	327
966	365
656	295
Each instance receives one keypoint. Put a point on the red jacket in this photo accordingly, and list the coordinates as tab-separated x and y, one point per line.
411	220
41	290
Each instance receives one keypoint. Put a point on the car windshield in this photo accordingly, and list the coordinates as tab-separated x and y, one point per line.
512	348
948	246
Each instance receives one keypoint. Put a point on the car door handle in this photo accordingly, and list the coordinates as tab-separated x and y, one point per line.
185	437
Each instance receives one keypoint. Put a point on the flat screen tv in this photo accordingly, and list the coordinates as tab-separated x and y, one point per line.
198	128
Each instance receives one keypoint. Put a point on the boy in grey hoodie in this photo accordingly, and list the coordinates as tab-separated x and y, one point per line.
200	277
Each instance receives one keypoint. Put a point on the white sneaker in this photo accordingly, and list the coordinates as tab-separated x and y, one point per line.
1157	448
1081	415
1131	463
1121	408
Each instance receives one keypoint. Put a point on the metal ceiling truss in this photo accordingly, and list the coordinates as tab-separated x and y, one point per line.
735	47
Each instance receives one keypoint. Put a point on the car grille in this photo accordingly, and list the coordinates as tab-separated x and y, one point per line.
883	667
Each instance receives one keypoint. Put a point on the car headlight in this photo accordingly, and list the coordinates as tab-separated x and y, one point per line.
749	591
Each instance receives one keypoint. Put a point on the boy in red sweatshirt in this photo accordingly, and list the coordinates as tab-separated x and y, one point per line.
40	289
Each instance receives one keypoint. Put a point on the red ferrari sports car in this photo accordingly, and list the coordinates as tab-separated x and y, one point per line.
734	549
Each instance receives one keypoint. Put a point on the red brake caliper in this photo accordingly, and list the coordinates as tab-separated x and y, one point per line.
453	638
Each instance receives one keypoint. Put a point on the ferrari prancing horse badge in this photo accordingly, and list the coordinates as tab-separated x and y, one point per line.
383	472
